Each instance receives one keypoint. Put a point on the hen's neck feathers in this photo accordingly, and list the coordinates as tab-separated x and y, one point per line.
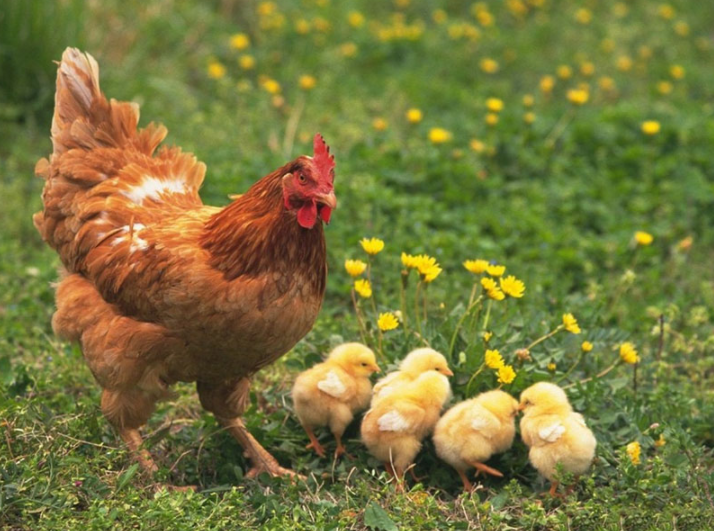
256	234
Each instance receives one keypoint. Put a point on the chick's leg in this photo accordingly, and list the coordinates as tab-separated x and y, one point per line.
480	467
314	443
468	486
227	401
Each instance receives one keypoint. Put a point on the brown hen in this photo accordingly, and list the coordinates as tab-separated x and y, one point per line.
159	288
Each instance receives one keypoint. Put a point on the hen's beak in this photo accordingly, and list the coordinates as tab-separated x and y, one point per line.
328	199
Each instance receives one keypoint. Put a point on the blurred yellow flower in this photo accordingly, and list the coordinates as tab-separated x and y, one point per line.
633	452
677	71
528	100
379	124
487	336
664	87
586	346
564	72
363	287
437	135
355	19
485	18
477	145
265	9
476	266
409	261
666	11
488	65
546	84
529	117
493	359
623	63
650	127
587	68
583	15
643	238
578	96
414	116
494	104
491	119
495	270
240	41
246	62
512	287
355	267
321	24
506	374
571	323
348	49
439	16
628	353
387	321
551	367
492	290
645	52
271	86
620	10
606	83
302	26
216	70
681	28
429	273
372	246
307	82
661	441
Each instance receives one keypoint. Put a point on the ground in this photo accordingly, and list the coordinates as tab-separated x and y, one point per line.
569	141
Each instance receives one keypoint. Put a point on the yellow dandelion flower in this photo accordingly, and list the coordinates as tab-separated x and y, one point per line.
529	118
491	119
495	270
302	26
493	359
586	346
650	127
379	124
606	83
628	353
583	16
528	100
414	116
486	336
428	274
372	246
348	49
387	321
681	28
664	87
587	68
246	62
564	72
676	71
477	145
355	19
645	52
363	287
240	41
643	238
506	374
265	9
439	16
620	10
552	366
495	294
488	284
216	70
307	82
271	86
494	104
578	96
633	452
659	443
666	11
546	84
476	266
512	287
488	65
624	63
571	323
355	267
409	261
437	135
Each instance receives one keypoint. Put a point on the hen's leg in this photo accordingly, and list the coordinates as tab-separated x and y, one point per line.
127	411
227	401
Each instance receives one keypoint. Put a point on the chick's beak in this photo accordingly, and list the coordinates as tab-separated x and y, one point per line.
448	372
521	406
375	368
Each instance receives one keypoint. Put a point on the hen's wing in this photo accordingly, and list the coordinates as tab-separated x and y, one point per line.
104	184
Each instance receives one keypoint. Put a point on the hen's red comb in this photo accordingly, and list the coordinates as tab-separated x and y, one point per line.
324	162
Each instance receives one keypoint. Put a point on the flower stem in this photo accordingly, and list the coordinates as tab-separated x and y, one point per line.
470	307
473	376
547	336
559	127
597	376
403	302
488	314
572	367
360	321
416	308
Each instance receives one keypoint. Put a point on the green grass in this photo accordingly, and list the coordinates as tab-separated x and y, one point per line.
557	201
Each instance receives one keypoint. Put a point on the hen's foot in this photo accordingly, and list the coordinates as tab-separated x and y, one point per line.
262	460
133	440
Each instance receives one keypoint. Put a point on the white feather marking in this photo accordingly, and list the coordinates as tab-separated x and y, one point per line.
552	433
392	421
479	423
332	385
152	188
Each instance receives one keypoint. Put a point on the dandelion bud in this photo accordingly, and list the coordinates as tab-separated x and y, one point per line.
523	354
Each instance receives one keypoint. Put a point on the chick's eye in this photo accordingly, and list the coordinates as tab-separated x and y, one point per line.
364	364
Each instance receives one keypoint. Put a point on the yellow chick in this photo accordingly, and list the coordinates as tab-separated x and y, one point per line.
330	393
555	433
395	427
472	431
414	364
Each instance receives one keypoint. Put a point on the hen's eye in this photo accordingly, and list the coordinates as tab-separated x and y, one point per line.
302	178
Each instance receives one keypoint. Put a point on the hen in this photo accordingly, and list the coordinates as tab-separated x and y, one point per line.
159	288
